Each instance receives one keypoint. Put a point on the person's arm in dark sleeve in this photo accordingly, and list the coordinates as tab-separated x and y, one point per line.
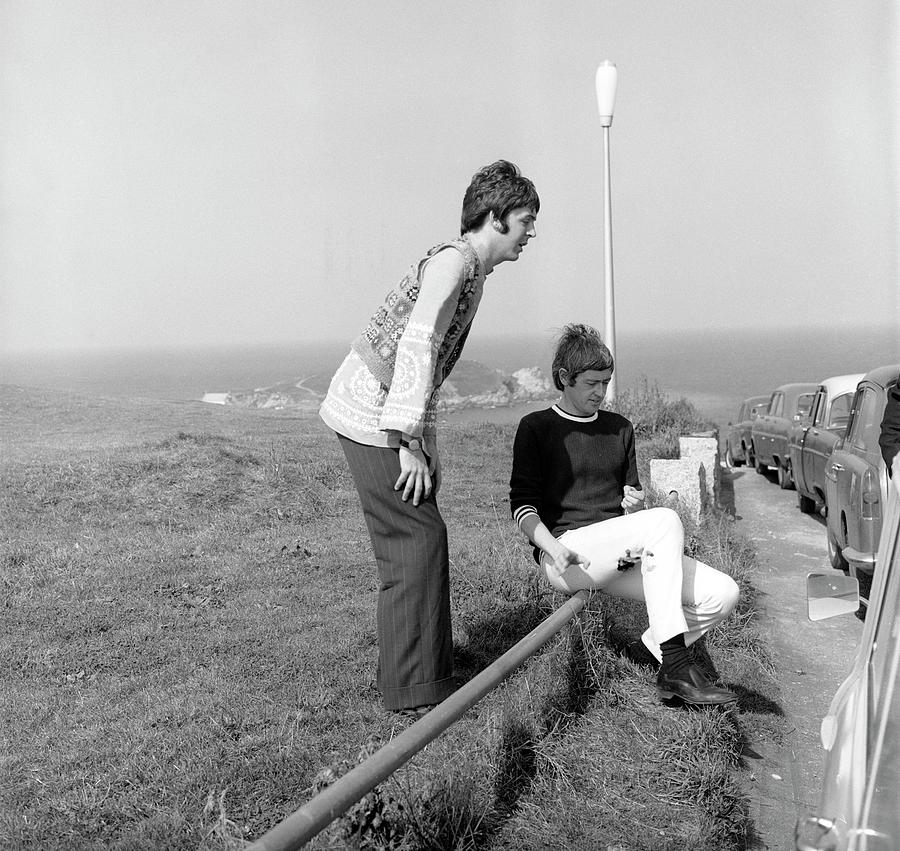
525	491
631	468
890	427
633	493
526	498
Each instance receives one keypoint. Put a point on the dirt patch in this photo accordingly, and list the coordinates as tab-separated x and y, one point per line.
812	658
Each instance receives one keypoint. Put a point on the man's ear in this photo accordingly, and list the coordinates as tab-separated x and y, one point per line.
498	224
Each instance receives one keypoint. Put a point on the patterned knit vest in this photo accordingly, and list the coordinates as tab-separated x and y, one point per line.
377	345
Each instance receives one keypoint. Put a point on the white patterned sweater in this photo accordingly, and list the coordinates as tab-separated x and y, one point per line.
359	407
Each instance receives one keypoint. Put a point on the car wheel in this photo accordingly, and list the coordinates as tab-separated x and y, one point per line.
785	478
838	562
807	504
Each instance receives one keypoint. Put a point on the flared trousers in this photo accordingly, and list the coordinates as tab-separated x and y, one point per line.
415	641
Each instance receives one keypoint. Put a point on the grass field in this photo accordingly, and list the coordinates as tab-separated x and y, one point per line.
189	649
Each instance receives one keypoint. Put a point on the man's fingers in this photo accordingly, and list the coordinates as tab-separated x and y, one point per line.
418	488
571	559
415	485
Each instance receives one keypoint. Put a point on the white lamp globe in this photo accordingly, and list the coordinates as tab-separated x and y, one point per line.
606	91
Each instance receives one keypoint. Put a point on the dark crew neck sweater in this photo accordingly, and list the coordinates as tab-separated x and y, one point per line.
572	470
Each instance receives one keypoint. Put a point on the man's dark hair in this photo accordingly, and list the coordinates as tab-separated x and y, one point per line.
497	188
580	348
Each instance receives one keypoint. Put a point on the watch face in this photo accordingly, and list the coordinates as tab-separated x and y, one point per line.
414	445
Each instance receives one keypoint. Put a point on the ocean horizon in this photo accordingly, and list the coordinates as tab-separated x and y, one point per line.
714	370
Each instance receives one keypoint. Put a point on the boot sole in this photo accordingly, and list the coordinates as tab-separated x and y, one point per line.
667	694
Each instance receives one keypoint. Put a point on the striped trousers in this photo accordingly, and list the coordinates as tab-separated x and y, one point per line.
415	641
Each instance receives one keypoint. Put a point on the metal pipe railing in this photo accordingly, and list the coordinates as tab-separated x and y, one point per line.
303	824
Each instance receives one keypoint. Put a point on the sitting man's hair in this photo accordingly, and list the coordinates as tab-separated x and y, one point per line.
579	349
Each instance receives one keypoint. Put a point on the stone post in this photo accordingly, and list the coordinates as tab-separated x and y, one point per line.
693	479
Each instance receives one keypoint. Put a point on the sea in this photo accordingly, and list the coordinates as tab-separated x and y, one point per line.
713	369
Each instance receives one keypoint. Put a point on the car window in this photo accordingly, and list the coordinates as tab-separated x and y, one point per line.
756	410
742	414
840	410
804	405
776	404
866	424
818	407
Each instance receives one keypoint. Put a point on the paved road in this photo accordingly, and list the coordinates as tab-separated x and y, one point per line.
812	658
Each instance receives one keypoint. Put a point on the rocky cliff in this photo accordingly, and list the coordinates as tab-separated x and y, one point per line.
473	385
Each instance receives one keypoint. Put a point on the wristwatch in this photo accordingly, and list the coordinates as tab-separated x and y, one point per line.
413	445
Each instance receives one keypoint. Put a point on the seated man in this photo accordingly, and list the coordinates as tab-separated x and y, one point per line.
890	427
574	491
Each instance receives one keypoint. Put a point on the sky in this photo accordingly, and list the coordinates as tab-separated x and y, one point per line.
244	171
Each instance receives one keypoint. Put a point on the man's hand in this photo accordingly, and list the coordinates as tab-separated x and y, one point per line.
414	478
564	558
633	499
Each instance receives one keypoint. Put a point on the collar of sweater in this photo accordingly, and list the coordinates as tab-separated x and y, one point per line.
574	418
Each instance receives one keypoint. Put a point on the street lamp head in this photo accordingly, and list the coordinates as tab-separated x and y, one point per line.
606	91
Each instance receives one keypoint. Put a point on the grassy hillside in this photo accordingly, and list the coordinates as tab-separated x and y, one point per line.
189	640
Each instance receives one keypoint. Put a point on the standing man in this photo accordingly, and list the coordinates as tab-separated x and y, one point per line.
575	493
381	403
890	426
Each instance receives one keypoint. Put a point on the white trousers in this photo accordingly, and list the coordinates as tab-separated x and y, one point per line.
682	595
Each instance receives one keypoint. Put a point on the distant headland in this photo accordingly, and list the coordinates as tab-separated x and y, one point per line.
472	385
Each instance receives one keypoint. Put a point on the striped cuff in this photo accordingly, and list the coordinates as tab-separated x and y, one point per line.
522	512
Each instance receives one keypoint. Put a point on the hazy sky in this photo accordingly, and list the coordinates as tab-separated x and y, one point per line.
247	170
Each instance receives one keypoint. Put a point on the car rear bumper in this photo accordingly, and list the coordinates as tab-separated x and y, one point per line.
860	561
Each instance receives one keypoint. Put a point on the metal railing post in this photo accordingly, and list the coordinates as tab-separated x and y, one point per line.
302	825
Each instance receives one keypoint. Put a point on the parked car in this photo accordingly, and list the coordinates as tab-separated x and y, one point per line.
857	808
855	477
737	439
810	442
788	404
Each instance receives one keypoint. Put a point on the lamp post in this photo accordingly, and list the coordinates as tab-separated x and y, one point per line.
606	100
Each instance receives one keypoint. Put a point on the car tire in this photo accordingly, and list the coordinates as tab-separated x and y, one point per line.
785	478
838	562
806	504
